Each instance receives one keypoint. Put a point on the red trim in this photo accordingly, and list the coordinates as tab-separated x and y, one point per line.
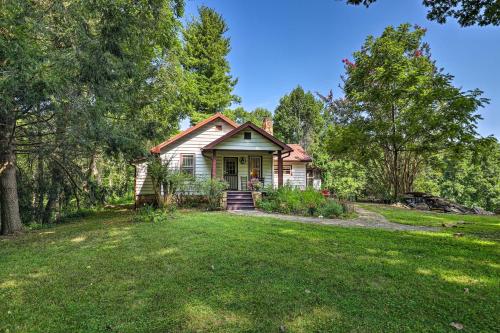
280	170
214	165
284	147
218	115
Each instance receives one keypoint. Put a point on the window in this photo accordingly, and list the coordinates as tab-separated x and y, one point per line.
187	163
218	127
255	166
287	170
247	135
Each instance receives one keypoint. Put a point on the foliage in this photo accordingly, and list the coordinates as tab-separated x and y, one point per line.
330	208
345	178
204	57
168	182
467	12
212	189
148	214
297	118
78	79
400	108
291	200
254	184
469	175
241	116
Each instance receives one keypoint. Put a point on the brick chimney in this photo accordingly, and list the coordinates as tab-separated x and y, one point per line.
267	125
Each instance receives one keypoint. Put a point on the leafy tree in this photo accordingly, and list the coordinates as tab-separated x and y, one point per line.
166	179
469	175
467	12
75	74
401	108
297	118
241	116
205	52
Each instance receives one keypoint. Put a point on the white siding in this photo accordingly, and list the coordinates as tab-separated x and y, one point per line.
298	178
143	183
189	144
256	143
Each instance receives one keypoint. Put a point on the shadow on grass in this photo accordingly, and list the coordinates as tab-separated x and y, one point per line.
219	272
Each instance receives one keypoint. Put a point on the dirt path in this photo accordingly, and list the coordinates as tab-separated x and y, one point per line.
365	219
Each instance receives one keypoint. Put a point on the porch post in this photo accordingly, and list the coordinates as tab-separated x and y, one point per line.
214	165
280	169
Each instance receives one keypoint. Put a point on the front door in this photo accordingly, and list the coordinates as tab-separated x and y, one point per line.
231	172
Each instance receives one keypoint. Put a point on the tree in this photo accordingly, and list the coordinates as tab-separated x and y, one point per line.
297	118
241	116
469	175
467	12
401	108
73	76
205	52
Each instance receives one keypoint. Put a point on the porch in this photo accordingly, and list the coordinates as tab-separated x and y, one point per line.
239	168
246	153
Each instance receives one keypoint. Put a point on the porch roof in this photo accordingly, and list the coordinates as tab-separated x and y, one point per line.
246	126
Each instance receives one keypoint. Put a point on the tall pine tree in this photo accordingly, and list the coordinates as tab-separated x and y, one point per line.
205	52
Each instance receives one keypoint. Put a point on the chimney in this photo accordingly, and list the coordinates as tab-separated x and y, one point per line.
267	125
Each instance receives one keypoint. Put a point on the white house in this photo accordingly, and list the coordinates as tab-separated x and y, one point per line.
220	148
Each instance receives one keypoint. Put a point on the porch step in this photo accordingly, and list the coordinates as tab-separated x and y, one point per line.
239	200
240	207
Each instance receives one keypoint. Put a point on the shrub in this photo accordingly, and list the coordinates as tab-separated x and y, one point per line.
212	189
149	214
330	209
289	200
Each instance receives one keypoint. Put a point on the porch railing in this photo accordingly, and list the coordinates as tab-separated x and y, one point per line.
232	180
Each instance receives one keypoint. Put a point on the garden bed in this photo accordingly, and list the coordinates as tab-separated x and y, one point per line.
308	202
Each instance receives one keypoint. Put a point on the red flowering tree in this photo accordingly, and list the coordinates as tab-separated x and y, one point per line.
401	108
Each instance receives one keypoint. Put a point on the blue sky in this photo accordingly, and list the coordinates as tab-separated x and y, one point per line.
279	44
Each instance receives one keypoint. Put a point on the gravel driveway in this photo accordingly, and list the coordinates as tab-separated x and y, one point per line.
365	219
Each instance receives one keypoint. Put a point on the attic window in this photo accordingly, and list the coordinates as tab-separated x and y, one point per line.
218	127
247	135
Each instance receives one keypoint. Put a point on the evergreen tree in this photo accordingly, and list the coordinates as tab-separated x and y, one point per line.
205	52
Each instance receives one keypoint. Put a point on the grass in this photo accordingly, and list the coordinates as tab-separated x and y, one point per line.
487	227
216	272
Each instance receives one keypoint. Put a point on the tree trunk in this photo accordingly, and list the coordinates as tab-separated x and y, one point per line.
396	175
9	201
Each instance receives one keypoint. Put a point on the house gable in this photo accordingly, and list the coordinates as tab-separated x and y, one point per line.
219	119
255	142
248	137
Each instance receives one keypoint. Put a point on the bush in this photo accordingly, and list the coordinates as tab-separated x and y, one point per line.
330	209
213	190
289	200
149	214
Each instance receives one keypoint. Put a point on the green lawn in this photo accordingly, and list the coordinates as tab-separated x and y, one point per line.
219	272
487	227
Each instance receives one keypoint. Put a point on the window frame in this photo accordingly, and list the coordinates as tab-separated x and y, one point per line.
285	167
245	136
183	168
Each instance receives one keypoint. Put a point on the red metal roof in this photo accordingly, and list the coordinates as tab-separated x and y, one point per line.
156	149
298	154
